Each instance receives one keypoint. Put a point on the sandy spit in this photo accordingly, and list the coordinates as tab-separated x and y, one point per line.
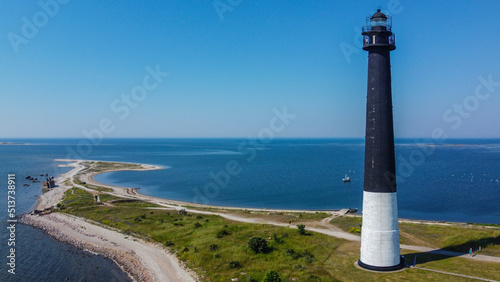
141	260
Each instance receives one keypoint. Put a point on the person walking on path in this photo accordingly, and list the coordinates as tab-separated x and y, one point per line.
470	252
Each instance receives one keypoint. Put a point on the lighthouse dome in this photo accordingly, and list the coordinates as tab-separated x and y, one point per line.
379	16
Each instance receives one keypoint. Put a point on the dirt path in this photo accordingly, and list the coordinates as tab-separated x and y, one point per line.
142	260
153	259
321	227
456	274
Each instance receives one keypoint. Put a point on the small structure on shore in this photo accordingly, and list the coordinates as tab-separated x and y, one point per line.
48	183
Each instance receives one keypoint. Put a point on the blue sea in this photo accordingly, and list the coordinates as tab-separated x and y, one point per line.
454	181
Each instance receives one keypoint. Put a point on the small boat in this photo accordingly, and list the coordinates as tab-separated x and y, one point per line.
346	179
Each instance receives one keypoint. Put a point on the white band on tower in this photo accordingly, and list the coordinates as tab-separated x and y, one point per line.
380	232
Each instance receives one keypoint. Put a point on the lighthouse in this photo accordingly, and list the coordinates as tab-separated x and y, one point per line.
380	249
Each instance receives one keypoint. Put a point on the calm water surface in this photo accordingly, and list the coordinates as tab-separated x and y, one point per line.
458	181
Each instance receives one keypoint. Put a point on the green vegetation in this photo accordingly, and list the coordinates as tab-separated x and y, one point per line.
283	217
258	245
355	230
105	166
453	237
346	222
234	264
271	276
220	250
108	198
302	229
76	198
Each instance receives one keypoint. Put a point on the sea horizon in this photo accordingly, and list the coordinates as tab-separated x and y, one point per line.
298	173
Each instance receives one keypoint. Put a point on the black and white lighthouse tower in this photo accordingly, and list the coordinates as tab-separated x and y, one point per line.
380	232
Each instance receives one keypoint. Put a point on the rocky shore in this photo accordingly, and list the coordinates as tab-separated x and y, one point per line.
141	260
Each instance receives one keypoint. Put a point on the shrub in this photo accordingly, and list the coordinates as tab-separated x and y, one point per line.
199	217
302	229
251	279
313	278
258	245
354	230
222	233
183	212
168	243
277	239
307	253
234	264
271	276
289	252
197	225
217	255
299	267
213	247
308	257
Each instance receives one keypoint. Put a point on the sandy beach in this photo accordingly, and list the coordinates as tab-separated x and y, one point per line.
146	261
141	260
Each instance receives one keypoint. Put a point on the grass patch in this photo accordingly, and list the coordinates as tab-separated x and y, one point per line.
105	166
347	222
456	238
453	237
136	204
218	249
75	197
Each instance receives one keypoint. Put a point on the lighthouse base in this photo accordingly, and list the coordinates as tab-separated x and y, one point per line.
380	250
383	268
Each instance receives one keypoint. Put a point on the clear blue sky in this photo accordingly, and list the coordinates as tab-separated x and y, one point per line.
226	74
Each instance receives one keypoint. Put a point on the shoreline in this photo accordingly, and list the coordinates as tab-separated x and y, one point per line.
89	179
134	192
141	260
128	192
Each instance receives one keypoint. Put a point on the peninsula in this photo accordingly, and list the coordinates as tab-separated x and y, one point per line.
154	239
